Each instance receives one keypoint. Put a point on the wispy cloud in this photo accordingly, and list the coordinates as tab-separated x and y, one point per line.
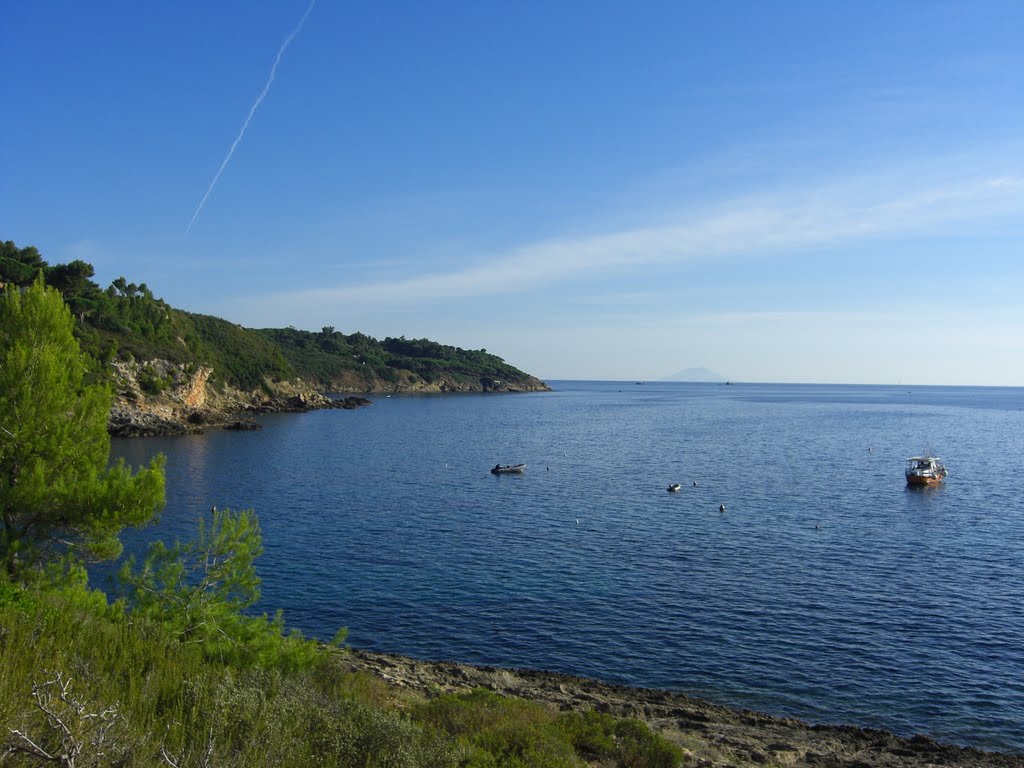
610	299
850	211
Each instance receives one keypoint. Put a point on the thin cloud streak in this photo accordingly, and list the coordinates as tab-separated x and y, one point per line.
252	111
813	218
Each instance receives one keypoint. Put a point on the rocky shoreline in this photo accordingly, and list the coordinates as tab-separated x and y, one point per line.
711	736
158	398
130	420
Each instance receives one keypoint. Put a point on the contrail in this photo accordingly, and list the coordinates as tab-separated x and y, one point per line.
252	111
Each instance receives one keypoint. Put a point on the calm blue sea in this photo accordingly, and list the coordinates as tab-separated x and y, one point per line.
827	590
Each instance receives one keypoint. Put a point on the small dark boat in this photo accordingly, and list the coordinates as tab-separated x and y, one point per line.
508	469
674	487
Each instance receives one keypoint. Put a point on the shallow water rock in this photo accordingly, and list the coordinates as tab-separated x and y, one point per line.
243	425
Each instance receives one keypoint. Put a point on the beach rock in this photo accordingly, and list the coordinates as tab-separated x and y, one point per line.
137	422
351	402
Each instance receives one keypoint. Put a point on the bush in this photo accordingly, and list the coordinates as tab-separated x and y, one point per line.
499	731
164	697
502	731
151	382
629	743
199	590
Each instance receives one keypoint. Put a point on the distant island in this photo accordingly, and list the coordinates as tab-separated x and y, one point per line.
696	375
174	372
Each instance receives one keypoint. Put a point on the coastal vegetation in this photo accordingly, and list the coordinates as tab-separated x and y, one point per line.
89	683
126	321
60	502
176	669
330	356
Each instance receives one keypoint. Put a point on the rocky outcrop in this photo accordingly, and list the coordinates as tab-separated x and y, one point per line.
156	397
711	736
194	394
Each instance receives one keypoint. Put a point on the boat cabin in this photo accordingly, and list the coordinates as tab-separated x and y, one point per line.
923	463
925	470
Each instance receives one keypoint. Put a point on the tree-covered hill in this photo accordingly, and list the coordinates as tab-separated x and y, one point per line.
126	321
330	357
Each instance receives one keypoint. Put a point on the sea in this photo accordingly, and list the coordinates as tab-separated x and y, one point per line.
826	590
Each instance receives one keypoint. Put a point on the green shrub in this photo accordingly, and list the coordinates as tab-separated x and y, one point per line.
199	590
499	731
151	382
628	743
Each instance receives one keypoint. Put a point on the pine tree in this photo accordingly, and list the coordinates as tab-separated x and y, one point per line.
59	497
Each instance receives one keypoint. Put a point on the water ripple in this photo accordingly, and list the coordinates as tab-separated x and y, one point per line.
826	590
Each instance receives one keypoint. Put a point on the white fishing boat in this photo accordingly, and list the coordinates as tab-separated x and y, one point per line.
925	470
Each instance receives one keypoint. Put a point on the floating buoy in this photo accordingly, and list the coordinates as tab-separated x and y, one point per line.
721	507
674	487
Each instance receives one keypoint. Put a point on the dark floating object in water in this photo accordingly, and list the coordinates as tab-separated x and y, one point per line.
508	469
721	507
243	425
674	487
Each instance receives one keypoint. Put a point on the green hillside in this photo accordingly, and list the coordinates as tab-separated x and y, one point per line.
330	356
127	320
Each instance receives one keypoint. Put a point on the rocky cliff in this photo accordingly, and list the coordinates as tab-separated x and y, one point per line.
156	397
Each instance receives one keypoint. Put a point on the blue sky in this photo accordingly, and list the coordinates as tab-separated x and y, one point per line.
786	191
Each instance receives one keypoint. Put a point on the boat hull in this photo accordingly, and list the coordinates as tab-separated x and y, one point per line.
921	481
926	470
516	469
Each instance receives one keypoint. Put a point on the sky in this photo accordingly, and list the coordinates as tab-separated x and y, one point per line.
778	191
